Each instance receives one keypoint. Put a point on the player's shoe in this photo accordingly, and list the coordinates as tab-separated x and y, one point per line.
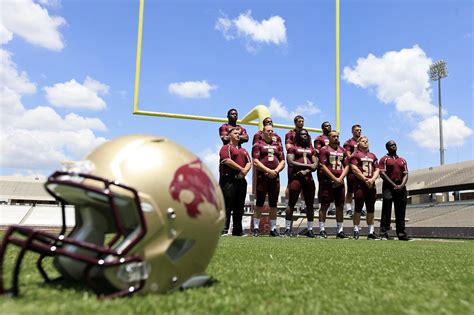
363	213
349	213
310	233
256	232
323	234
356	235
274	233
384	237
373	237
342	235
332	211
288	233
405	238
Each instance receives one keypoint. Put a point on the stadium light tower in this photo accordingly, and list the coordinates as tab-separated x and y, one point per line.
439	70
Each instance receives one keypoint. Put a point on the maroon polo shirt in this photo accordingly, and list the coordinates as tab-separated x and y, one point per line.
395	167
224	131
237	154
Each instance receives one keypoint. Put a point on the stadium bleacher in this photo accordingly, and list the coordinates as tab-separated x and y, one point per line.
26	202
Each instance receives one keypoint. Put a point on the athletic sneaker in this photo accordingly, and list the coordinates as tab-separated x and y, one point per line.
274	233
310	234
332	211
349	213
356	235
405	238
256	232
323	234
288	233
384	237
363	213
373	237
342	235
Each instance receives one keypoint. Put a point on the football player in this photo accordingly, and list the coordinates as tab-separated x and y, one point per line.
269	160
333	168
350	146
290	135
259	134
234	166
290	141
224	130
323	139
394	172
303	161
365	167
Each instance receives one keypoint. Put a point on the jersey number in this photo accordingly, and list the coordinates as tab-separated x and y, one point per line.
335	162
271	154
367	168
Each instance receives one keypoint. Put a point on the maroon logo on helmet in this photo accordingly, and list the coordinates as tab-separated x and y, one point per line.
191	177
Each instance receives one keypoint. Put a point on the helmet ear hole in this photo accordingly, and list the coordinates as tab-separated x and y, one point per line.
178	248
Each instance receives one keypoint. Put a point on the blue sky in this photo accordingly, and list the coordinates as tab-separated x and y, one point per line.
67	73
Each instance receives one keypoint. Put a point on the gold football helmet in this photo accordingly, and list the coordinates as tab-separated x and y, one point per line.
148	216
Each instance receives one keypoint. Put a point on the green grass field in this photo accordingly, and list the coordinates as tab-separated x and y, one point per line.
290	276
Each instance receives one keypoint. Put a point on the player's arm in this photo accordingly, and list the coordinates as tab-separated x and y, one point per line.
371	181
386	178
232	164
404	179
297	165
344	173
357	172
224	135
259	165
247	165
328	173
244	137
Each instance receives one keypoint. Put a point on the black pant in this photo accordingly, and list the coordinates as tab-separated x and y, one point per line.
234	190
399	199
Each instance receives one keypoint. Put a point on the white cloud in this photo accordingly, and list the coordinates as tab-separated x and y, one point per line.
191	89
277	109
455	132
5	35
11	78
75	95
36	140
32	22
270	31
211	159
397	77
402	78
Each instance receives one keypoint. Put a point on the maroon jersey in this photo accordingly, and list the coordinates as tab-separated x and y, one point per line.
301	155
395	167
321	141
334	160
224	131
259	137
365	162
350	146
269	154
290	138
237	154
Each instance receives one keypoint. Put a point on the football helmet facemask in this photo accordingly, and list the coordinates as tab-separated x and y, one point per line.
148	217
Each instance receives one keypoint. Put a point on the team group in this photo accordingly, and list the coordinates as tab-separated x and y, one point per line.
332	163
